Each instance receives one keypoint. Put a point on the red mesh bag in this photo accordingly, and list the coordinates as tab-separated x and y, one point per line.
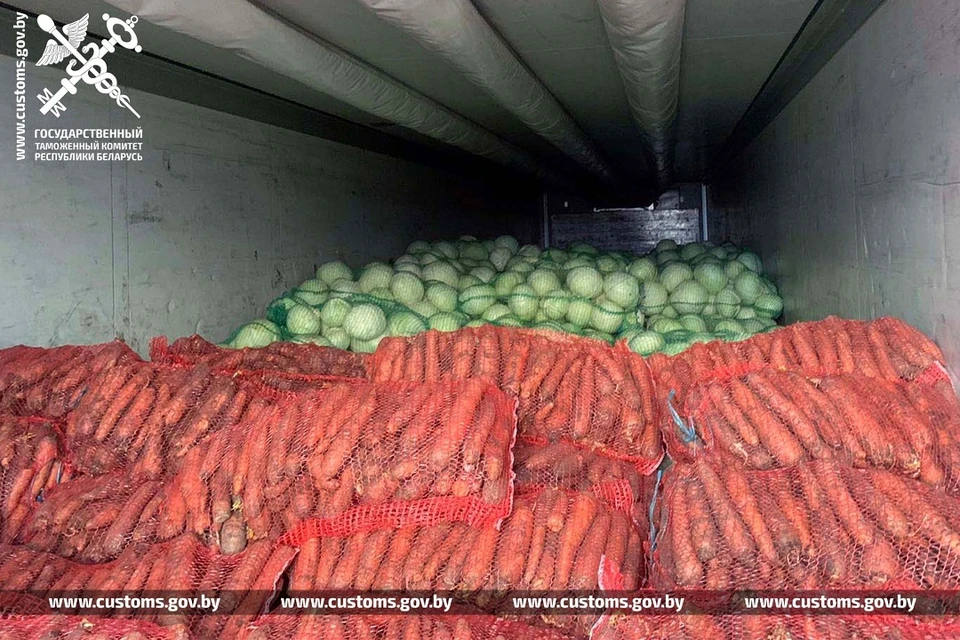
815	525
147	416
52	627
562	465
475	626
886	348
776	627
769	419
32	464
50	382
556	540
569	388
277	361
246	582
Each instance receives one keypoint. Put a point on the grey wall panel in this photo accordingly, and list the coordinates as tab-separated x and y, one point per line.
852	195
221	215
633	230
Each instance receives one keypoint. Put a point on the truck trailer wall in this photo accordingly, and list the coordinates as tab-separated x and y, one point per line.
221	215
852	195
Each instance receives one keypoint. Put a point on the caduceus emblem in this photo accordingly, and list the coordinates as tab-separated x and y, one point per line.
88	62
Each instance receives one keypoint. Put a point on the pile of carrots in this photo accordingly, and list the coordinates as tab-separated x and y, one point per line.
485	462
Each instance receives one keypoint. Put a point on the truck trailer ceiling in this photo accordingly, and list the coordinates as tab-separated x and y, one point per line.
638	93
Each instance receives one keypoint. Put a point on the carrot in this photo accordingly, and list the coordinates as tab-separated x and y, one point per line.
377	545
197	423
880	351
119	403
428	541
345	571
805	352
115	537
455	566
476	569
860	420
391	568
587	563
464	348
776	438
703	533
431	356
463	411
745	502
925	517
428	576
582	401
733	415
342	497
767	388
727	516
415	358
542	506
487	366
486	418
514	545
846	510
253	489
305	565
417	395
583	509
714	425
615	549
540	364
514	365
22	480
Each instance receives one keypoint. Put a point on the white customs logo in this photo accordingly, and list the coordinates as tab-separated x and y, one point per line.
88	62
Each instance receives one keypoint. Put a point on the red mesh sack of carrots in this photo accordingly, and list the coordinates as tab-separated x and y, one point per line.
778	627
281	363
569	388
144	417
562	465
32	464
245	583
50	382
815	525
886	348
556	540
352	458
51	627
769	419
473	626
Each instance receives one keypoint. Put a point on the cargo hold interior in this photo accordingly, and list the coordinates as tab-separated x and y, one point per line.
279	135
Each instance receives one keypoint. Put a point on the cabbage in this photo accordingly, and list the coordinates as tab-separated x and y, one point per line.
666	245
621	289
441	271
334	312
418	246
693	323
477	299
529	251
314	286
666	257
405	323
365	322
643	269
442	296
425	309
302	319
382	293
256	334
733	269
579	312
606	317
337	337
375	275
408	267
768	305
446	250
555	255
507	242
577	261
653	298
608	264
728	303
365	346
474	251
729	326
543	281
445	322
499	257
689	297
690	251
310	298
748	286
466	281
343	288
646	343
555	305
666	325
670	312
584	248
751	261
506	281
509	321
523	302
495	312
711	276
406	288
585	282
674	274
746	313
333	271
752	325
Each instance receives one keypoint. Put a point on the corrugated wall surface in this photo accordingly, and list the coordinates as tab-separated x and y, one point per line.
221	215
852	195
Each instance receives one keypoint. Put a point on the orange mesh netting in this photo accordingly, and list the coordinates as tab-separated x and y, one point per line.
770	419
814	525
569	388
54	627
50	382
475	626
275	361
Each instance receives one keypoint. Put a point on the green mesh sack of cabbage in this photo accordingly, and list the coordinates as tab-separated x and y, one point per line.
661	302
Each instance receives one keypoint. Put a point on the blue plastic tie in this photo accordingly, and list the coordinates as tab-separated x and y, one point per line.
653	505
688	433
